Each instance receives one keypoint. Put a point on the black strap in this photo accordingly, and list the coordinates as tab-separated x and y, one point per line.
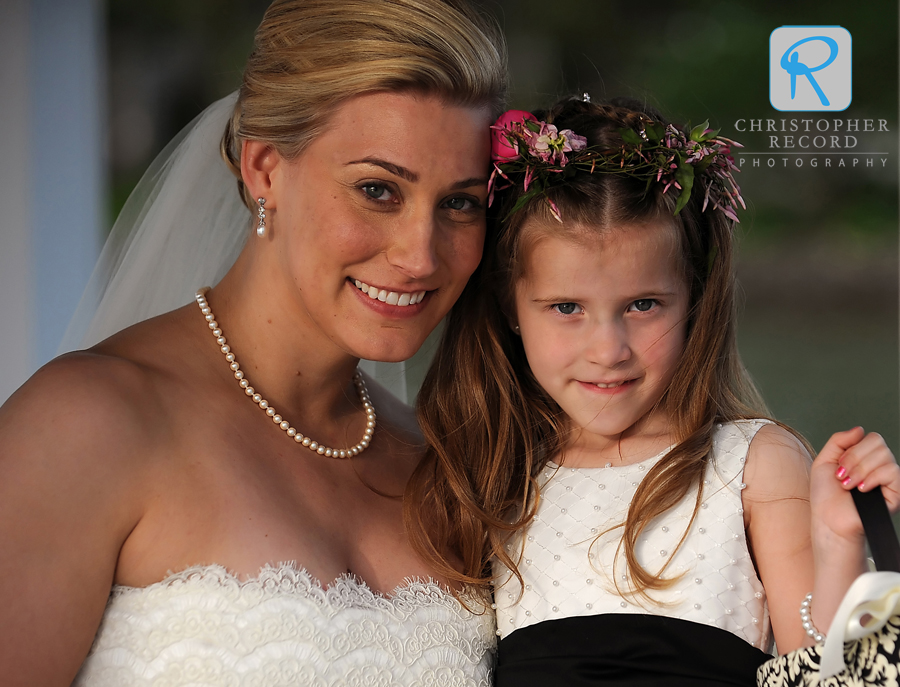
876	520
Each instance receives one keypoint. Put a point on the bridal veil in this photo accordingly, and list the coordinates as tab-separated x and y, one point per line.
181	229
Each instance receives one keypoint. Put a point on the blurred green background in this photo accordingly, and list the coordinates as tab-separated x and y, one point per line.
818	246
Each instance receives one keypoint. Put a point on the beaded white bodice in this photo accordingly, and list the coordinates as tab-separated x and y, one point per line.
565	575
205	627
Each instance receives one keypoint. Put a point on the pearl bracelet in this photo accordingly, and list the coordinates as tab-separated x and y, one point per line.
806	620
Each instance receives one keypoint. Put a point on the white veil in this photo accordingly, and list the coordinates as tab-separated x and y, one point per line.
181	229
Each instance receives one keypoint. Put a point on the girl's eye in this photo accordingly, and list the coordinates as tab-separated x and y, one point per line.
377	192
461	204
567	308
643	304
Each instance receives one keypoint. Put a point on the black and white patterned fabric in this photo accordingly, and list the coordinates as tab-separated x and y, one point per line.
872	660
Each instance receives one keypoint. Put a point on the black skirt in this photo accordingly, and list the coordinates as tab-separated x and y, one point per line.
625	649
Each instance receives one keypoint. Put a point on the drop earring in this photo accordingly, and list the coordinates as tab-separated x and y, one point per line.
261	226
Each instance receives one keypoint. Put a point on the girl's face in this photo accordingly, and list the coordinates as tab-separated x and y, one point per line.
603	322
382	221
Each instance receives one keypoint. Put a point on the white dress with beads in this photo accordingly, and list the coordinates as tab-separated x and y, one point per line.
205	627
568	572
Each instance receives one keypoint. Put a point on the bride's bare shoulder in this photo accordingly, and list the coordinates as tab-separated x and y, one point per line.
94	401
80	461
77	388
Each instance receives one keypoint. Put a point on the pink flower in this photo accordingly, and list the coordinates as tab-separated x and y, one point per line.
554	210
551	145
543	138
540	141
529	176
503	145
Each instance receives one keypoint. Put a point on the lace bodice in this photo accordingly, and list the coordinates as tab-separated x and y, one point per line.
203	626
565	575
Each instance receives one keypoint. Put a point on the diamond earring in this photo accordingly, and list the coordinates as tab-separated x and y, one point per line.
261	226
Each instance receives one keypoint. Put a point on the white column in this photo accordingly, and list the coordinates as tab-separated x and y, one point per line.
17	328
52	177
68	98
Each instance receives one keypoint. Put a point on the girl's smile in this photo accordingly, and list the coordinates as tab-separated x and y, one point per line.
609	388
602	315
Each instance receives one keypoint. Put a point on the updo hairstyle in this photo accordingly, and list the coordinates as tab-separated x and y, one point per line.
310	56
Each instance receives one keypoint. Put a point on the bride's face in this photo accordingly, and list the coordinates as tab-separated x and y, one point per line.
380	221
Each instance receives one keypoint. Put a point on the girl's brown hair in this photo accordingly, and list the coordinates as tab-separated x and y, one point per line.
491	428
310	56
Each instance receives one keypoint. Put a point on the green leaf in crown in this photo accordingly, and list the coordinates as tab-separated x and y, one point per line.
537	155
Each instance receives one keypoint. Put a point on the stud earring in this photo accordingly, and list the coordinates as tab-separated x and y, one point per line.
261	226
516	329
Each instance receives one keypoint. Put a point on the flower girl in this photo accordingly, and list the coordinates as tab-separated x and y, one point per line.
649	523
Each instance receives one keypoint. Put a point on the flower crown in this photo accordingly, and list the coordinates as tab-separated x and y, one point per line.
543	155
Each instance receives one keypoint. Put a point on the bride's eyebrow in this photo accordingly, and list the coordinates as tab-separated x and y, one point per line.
396	170
411	176
466	183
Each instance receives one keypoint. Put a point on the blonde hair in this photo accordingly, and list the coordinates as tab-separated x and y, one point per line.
310	56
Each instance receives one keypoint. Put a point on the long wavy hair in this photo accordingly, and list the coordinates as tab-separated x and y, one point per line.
489	425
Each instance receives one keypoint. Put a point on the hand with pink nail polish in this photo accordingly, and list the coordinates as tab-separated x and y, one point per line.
850	459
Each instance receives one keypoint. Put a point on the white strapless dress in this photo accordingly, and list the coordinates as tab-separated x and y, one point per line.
204	626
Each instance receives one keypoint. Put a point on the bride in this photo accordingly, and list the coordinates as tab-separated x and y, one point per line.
224	468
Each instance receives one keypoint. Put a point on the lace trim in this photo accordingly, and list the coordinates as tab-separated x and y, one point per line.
206	626
286	578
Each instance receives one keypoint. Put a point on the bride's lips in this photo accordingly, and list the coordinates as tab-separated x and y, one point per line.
397	303
608	388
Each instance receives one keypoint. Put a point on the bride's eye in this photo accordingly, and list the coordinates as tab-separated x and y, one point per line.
377	192
461	204
567	308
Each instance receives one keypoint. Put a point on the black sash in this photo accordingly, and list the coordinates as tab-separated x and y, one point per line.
625	649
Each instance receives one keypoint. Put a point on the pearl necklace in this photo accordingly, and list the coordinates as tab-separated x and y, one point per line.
270	411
